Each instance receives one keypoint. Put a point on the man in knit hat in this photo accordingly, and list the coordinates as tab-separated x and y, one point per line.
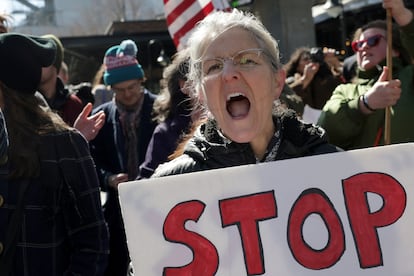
120	146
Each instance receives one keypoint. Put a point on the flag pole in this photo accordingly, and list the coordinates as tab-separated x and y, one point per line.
387	126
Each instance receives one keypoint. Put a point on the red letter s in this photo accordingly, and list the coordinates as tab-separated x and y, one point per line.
205	261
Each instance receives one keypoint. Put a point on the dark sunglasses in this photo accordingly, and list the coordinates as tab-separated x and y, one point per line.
371	42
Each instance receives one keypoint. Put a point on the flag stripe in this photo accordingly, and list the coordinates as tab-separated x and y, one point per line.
179	16
182	15
189	25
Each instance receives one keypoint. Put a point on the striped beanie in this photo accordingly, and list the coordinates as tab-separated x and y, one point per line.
121	63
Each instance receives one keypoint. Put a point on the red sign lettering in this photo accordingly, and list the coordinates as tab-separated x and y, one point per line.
206	258
363	223
246	212
314	201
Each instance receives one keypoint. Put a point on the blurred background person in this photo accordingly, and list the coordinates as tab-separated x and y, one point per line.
100	91
349	68
173	112
64	73
355	114
58	97
121	144
312	78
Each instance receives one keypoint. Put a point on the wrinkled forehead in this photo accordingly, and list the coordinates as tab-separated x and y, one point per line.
230	41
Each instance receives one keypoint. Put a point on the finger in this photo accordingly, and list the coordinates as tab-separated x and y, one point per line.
99	124
101	114
86	110
396	83
97	116
384	74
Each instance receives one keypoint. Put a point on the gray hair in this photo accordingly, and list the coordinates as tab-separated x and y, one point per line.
215	24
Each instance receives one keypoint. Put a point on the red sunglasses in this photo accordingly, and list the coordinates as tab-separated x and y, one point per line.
371	42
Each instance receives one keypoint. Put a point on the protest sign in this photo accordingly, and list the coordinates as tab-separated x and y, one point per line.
346	213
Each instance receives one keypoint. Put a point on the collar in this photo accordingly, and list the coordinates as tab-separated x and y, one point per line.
61	95
376	71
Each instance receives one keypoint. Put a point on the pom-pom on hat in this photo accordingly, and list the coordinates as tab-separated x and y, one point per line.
22	58
121	63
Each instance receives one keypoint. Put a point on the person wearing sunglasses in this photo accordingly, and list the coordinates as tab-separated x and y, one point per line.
236	75
354	116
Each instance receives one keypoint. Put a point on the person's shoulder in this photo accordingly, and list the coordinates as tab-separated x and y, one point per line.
150	94
407	70
66	139
104	106
70	134
307	137
180	165
75	100
162	128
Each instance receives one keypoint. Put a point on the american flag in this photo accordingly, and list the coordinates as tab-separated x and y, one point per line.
182	15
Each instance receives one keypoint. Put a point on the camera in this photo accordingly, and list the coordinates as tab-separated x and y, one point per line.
317	55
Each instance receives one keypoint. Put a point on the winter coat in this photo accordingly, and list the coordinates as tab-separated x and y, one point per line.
208	149
109	152
349	128
164	141
66	104
62	231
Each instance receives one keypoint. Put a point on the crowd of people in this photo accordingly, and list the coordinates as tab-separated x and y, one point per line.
226	100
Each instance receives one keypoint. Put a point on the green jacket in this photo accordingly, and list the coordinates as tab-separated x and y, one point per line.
348	128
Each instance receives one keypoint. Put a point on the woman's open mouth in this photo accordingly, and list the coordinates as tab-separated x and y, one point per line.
238	105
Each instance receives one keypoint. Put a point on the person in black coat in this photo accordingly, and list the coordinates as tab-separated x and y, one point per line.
120	145
237	77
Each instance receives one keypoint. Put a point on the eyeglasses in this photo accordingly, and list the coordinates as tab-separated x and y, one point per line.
371	42
244	60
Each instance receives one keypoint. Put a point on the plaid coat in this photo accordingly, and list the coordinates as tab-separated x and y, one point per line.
62	230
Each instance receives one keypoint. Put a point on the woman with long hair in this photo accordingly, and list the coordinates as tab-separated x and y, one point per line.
51	186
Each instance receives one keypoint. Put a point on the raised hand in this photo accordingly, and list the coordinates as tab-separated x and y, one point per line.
89	126
384	93
401	14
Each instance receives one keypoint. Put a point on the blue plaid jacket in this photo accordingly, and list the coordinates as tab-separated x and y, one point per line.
62	231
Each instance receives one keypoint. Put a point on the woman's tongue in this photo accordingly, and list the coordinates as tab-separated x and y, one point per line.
238	106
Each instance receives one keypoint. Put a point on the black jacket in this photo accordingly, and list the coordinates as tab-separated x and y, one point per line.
207	149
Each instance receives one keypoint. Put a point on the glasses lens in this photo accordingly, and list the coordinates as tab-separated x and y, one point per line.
371	42
247	59
212	66
243	60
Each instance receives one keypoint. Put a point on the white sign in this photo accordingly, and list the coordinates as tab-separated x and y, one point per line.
347	213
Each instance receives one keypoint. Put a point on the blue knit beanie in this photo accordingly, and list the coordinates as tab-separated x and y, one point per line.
121	63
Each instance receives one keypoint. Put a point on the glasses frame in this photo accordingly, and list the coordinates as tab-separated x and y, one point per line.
223	61
371	41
